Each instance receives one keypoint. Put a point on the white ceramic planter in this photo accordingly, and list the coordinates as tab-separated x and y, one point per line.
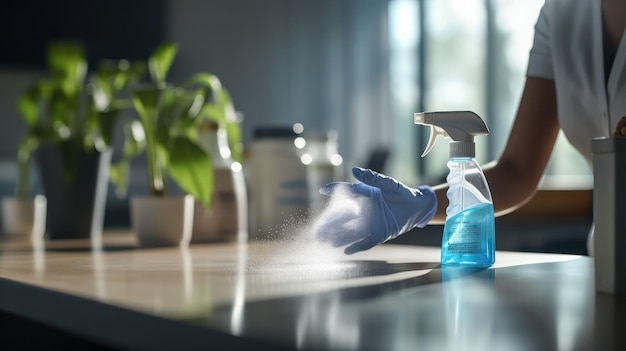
24	216
162	221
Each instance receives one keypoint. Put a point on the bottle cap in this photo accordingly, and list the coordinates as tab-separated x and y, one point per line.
460	126
462	149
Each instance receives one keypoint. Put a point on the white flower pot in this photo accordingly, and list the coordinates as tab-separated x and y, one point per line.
162	221
24	216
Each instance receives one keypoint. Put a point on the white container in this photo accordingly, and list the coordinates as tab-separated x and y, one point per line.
278	183
609	209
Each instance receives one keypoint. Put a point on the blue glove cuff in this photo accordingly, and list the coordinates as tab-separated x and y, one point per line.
429	196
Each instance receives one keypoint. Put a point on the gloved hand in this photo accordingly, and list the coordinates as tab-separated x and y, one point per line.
372	211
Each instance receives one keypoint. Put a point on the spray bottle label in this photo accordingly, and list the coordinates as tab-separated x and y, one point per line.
468	237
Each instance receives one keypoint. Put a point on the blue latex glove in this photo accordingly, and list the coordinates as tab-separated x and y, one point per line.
372	211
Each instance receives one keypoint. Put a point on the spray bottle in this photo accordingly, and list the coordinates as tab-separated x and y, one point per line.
469	231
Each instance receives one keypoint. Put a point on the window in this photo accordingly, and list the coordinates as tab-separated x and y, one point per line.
469	55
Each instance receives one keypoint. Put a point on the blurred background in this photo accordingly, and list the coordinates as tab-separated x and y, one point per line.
359	67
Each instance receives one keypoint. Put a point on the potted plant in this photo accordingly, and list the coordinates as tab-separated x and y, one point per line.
71	118
168	115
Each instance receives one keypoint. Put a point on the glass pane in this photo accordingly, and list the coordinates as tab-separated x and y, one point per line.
404	41
455	70
475	55
514	24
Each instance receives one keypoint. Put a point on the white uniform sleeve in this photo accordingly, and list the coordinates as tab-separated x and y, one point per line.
540	58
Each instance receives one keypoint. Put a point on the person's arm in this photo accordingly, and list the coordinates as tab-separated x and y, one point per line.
513	179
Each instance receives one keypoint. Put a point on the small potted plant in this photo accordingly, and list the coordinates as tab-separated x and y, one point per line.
71	118
169	115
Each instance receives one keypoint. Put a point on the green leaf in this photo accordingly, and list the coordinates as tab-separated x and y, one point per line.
184	112
214	112
146	101
62	114
206	80
169	108
134	144
233	133
134	139
221	110
190	166
136	71
64	56
108	120
161	60
114	76
105	77
66	61
233	127
28	104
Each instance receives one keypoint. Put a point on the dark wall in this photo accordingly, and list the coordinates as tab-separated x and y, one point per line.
111	29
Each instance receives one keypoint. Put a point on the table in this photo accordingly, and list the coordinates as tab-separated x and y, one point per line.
298	294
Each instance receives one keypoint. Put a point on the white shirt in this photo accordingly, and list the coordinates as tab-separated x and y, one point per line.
568	49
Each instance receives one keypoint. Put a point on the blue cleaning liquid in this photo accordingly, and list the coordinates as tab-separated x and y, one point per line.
469	238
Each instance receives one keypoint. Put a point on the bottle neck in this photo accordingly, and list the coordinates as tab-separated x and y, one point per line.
461	159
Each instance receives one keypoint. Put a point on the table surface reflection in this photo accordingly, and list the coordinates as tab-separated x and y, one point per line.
300	295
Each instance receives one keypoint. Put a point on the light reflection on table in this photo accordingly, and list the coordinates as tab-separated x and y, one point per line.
302	295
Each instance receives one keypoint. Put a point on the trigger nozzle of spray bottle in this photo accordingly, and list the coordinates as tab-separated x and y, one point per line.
460	126
434	132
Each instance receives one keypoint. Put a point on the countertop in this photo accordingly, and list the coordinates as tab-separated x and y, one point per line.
297	294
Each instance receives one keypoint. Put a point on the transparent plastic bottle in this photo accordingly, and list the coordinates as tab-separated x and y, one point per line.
469	231
323	164
227	218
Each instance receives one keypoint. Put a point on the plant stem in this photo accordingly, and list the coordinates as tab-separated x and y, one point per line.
23	186
155	169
